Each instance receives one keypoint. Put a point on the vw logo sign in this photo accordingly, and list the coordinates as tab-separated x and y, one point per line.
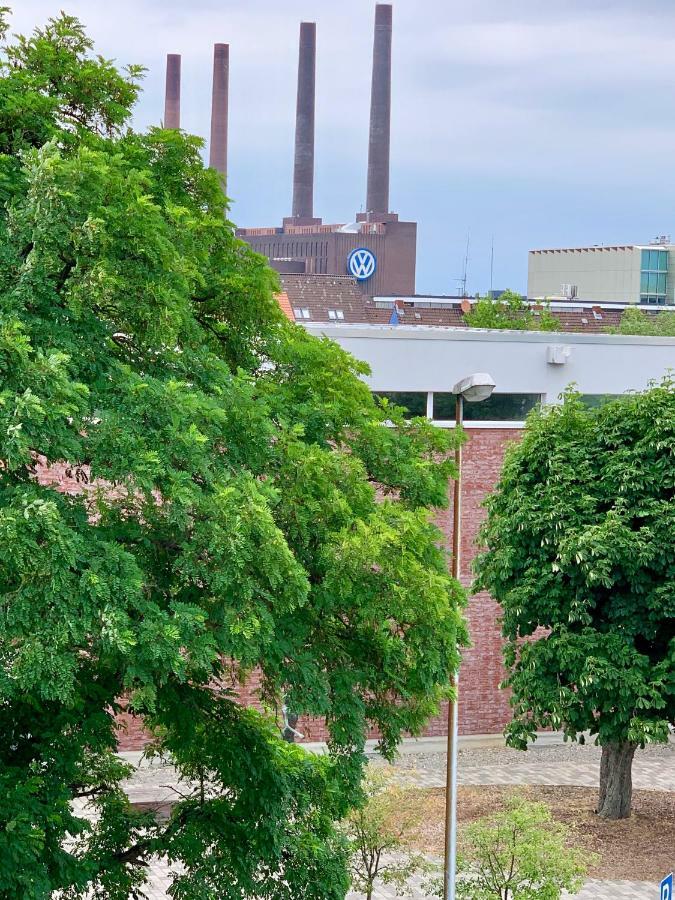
361	263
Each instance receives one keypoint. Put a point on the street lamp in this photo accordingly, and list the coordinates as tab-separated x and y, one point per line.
473	389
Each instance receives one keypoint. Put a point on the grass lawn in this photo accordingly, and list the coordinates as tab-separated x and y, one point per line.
641	848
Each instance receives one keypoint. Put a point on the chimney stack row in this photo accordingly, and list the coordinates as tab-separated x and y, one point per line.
377	203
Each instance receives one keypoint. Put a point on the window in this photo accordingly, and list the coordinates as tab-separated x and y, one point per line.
595	401
498	408
654	277
413	402
335	314
652	300
301	312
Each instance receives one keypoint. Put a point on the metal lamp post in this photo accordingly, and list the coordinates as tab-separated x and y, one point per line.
473	388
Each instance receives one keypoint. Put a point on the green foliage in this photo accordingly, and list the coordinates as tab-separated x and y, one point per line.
639	321
579	545
378	832
241	506
53	88
519	853
510	311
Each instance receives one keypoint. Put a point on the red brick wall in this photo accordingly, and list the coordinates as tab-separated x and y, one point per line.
483	708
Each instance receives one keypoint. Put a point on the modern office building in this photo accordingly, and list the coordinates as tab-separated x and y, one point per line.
639	273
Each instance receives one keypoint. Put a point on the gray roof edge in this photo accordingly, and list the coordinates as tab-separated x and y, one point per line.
443	332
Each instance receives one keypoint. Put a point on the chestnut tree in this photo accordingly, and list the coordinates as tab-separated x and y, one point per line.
580	557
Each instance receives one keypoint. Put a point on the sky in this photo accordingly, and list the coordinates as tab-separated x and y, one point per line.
517	124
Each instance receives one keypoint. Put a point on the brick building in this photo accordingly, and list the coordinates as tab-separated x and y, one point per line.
416	365
302	244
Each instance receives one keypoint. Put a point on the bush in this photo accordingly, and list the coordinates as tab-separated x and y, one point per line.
510	311
378	835
519	853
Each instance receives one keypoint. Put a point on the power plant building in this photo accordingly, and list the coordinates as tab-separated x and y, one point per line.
377	249
354	283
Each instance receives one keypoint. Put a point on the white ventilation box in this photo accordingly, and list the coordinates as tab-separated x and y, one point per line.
558	354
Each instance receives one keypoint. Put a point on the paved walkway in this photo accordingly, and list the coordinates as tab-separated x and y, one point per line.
648	775
593	890
549	765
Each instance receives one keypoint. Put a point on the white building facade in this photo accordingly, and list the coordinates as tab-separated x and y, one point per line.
528	367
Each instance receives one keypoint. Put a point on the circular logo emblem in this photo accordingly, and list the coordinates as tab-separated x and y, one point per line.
361	263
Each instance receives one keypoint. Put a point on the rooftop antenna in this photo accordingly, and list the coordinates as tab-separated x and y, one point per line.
466	265
492	263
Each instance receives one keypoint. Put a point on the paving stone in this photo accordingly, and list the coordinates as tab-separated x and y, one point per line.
653	773
592	890
656	775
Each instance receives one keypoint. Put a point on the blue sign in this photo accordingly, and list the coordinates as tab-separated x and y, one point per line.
361	263
667	888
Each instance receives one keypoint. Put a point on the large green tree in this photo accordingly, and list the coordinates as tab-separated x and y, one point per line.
510	311
580	557
654	324
242	506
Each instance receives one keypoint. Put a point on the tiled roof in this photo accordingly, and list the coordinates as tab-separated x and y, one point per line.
408	314
319	295
284	303
589	320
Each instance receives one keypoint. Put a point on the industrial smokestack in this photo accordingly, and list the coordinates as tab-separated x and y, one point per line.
219	106
380	113
172	95
303	174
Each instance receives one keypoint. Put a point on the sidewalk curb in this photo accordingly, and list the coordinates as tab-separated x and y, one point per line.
408	746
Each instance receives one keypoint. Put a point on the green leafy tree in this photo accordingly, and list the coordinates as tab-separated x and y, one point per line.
241	507
579	556
510	311
378	834
639	321
519	854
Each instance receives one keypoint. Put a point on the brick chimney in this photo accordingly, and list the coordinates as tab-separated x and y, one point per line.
303	169
377	202
172	93
219	109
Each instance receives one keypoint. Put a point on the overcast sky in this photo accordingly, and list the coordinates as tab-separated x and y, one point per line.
539	122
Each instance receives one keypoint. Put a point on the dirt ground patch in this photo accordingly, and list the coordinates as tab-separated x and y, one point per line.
641	848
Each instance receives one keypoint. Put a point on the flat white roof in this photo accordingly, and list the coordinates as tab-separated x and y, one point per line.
499	335
596	248
434	358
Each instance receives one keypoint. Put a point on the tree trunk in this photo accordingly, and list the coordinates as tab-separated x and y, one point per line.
616	781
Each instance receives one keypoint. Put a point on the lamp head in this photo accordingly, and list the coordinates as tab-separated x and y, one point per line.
475	388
